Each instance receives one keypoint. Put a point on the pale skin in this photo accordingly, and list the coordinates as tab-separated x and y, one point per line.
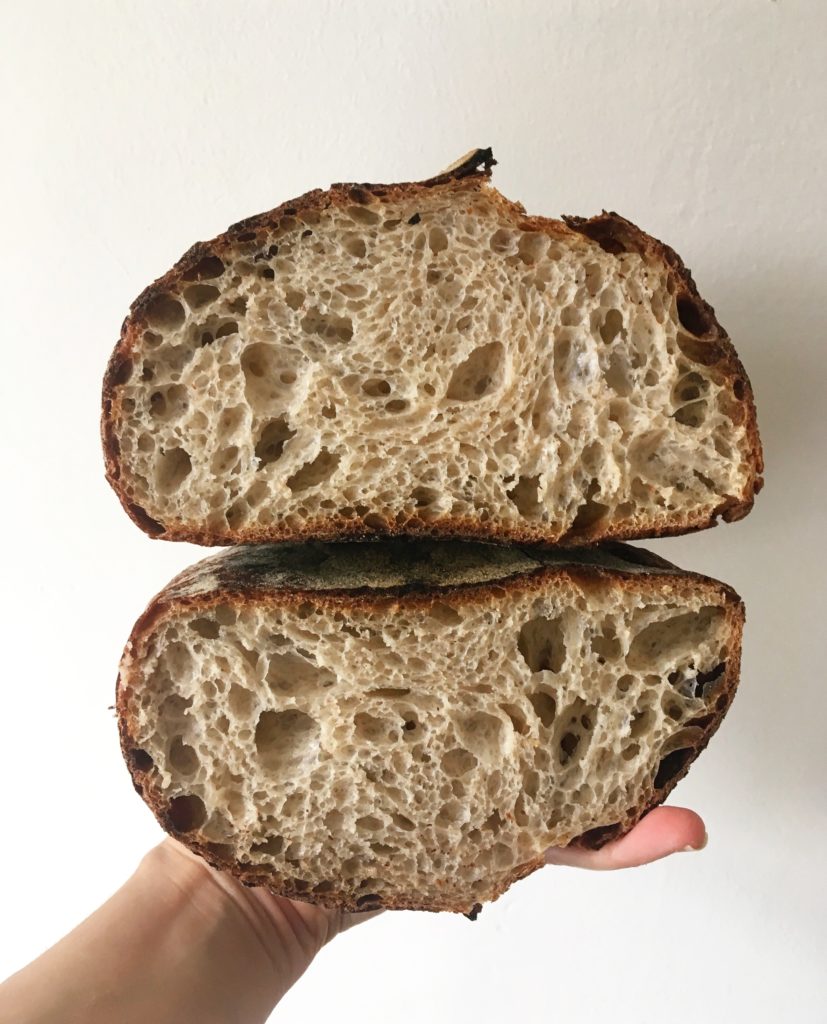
182	942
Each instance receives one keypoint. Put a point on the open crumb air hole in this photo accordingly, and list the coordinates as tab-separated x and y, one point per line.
524	494
286	740
671	766
477	375
542	644
272	440
187	813
693	316
315	472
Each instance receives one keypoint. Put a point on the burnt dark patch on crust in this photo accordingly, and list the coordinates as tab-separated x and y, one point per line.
146	522
120	370
139	760
595	838
696	316
370	901
672	765
185	814
474	912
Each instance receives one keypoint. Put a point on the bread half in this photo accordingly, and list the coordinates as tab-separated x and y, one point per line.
412	724
426	358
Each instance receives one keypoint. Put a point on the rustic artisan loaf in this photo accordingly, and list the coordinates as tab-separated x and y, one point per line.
427	359
411	724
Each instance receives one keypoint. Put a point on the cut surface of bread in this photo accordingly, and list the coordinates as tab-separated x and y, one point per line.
426	358
412	724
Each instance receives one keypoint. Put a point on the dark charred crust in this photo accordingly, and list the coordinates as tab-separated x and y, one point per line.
141	518
139	760
474	912
639	556
595	838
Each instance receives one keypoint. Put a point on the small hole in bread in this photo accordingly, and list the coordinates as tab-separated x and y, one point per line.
207	628
183	757
272	846
437	239
481	734
376	387
671	765
374	730
545	707
327	325
226	329
458	762
693	316
354	245
503	241
444	614
524	494
541	642
165	312
668	638
141	760
706	353
369	823
691	415
286	740
200	295
477	375
612	325
206	268
272	440
186	813
363	215
517	717
568	746
174	465
315	472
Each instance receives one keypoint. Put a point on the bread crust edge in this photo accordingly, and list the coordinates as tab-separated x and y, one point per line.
235	591
609	230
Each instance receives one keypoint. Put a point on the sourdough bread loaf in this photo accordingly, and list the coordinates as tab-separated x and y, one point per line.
426	358
412	724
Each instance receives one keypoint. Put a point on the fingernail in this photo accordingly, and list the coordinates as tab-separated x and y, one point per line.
700	846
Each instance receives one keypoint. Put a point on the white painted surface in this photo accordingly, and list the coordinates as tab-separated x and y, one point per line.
130	130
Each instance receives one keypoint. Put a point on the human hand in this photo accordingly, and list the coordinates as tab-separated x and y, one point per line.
298	930
181	941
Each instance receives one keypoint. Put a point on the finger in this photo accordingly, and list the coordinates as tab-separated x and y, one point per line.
351	918
663	831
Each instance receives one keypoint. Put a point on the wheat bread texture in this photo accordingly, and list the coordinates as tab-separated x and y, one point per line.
426	358
412	724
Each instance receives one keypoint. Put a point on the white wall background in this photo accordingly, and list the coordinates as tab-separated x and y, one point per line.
130	130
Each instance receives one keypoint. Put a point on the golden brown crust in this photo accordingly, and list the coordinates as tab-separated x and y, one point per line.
612	232
229	585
